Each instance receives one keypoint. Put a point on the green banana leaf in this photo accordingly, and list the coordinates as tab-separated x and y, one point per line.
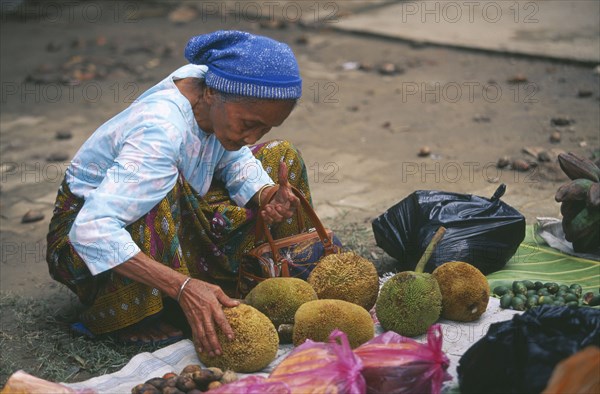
536	261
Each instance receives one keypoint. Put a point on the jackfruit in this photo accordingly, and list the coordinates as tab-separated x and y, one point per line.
315	320
410	302
255	344
346	276
465	291
280	298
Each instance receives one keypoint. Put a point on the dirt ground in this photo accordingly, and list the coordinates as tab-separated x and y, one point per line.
70	68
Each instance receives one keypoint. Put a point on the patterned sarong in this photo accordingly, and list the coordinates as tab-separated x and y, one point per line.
203	237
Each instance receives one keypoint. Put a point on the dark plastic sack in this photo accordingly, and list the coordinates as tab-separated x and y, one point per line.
482	232
519	355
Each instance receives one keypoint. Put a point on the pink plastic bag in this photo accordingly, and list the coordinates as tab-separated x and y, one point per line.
317	367
253	385
394	364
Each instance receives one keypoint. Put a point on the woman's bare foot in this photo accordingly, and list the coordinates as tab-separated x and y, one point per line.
153	332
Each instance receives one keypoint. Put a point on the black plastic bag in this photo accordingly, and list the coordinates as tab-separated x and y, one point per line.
482	232
519	355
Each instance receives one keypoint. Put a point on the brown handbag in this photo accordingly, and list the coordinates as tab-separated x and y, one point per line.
292	256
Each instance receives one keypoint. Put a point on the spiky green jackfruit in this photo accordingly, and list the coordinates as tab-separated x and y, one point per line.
409	302
346	276
255	344
280	298
315	320
465	291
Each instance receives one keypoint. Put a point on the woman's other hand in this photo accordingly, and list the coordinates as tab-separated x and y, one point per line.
203	305
284	203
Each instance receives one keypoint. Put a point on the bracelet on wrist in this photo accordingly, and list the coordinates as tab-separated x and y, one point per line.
185	282
260	205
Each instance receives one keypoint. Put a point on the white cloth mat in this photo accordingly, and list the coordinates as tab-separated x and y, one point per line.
458	337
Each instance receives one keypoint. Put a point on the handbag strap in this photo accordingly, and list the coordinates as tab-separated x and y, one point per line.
316	222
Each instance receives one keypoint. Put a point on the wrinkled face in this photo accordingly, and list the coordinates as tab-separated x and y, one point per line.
243	122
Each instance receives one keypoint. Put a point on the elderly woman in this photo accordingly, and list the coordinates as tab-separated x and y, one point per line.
160	202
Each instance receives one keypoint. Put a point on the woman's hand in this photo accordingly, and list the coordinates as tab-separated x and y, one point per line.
202	302
284	203
203	305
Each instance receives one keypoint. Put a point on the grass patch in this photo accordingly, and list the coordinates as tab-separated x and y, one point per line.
34	336
358	237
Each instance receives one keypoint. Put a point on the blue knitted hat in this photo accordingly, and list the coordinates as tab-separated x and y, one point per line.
247	65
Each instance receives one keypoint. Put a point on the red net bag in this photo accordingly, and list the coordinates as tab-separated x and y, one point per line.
317	367
394	364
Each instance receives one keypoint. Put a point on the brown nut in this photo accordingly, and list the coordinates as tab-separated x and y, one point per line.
195	391
217	371
145	389
191	368
159	383
171	382
149	389
169	375
172	390
203	377
214	385
229	377
185	383
188	374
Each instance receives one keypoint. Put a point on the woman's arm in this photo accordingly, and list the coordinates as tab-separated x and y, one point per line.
201	302
141	175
